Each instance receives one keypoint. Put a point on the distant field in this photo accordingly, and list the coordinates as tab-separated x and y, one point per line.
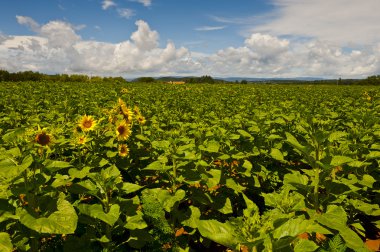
192	167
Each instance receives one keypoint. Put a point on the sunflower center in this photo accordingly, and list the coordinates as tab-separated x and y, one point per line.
121	129
87	124
82	140
43	139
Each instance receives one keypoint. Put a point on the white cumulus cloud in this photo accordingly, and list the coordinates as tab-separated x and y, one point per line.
33	25
146	3
126	13
343	22
57	48
108	4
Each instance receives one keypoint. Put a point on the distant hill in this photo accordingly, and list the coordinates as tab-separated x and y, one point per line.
239	79
250	79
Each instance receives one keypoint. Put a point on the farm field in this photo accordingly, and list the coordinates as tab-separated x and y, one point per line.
194	167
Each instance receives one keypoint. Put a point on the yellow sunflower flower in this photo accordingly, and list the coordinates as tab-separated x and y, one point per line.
82	140
123	131
87	123
123	150
127	113
43	138
136	110
141	119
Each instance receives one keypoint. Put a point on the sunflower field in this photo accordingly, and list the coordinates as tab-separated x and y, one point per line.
193	167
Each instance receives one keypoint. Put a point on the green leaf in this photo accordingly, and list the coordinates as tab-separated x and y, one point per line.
224	157
294	142
373	155
75	173
367	180
336	218
352	239
212	146
305	246
214	179
63	221
130	188
368	209
5	242
292	227
227	208
245	133
277	154
162	145
337	135
192	221
142	138
157	166
222	233
169	200
297	181
54	166
9	168
166	199
96	211
230	183
248	166
339	160
135	222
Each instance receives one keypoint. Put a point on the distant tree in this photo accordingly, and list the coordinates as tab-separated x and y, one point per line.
243	82
145	79
206	79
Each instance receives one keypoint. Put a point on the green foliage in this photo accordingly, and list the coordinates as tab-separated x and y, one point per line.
203	168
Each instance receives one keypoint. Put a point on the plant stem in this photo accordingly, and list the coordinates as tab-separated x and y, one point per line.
174	175
316	180
316	189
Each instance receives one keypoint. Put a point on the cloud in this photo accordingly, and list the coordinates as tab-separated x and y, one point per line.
57	48
146	3
80	27
33	25
144	38
263	55
209	28
3	38
343	22
107	4
126	13
267	45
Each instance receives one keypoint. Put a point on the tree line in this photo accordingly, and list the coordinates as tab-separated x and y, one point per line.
36	76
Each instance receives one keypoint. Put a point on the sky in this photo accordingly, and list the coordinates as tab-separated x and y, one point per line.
221	38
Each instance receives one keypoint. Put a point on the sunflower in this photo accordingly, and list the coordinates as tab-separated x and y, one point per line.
87	123
141	119
123	150
127	113
82	140
124	91
43	138
121	102
136	110
123	131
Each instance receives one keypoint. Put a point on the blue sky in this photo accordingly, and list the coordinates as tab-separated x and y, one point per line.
250	38
177	20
